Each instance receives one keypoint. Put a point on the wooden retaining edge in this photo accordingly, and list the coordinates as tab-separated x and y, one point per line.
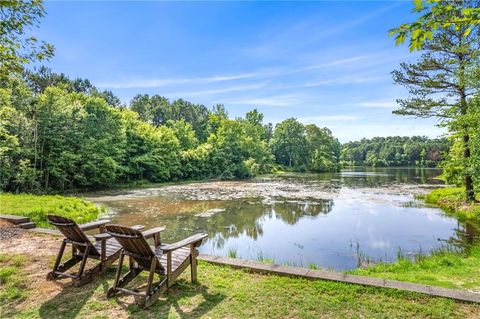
46	231
280	270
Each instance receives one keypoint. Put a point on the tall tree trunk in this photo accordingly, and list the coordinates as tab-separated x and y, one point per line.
469	193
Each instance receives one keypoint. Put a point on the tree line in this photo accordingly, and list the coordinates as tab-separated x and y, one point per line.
60	134
396	151
57	133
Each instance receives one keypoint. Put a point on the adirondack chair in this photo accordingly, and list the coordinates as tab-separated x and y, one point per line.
105	249
168	261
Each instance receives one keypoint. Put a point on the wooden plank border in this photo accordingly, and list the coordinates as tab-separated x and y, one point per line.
280	270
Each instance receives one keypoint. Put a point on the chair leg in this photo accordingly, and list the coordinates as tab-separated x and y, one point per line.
112	290
119	270
193	263
156	292
60	255
153	267
123	281
51	275
169	270
84	261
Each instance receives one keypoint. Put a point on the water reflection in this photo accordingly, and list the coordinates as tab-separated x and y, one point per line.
332	220
466	234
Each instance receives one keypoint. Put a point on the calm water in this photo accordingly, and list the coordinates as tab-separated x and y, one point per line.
333	220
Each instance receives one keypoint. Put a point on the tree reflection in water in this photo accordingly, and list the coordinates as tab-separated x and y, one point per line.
246	218
299	218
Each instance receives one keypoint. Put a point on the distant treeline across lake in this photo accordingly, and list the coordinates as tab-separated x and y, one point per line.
60	134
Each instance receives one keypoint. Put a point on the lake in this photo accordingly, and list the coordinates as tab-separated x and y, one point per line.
334	220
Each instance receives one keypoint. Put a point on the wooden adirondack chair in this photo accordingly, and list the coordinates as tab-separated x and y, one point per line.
168	261
105	249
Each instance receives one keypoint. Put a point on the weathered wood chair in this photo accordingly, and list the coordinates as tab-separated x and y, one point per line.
168	261
105	249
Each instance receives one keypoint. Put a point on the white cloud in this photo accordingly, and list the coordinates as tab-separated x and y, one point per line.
342	80
280	39
217	91
274	100
378	104
329	118
159	82
334	63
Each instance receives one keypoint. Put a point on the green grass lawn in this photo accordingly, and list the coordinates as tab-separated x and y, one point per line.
222	292
443	268
37	207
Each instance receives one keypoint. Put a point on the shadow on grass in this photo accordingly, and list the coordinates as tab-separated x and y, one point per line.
183	300
71	300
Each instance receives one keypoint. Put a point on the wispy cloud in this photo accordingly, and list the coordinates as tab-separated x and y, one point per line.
334	63
329	118
355	79
279	39
227	89
332	66
284	100
378	104
161	82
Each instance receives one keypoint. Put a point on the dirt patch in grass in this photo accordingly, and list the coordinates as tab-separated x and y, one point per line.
9	230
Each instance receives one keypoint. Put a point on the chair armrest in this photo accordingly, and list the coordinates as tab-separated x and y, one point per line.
93	225
192	240
152	232
137	227
102	236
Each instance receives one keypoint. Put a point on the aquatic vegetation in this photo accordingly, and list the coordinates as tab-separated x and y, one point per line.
263	259
232	253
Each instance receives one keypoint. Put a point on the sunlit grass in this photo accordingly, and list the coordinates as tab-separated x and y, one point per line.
452	200
37	207
445	268
224	292
12	285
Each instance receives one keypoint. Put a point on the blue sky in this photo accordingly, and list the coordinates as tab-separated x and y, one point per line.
326	62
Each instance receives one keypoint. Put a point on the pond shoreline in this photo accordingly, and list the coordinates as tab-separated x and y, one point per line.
444	268
220	292
146	184
235	214
315	274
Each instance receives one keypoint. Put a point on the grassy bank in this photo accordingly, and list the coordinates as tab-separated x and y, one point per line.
221	292
37	207
452	200
446	267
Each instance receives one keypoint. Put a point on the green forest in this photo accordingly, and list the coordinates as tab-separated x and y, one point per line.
61	134
395	151
58	133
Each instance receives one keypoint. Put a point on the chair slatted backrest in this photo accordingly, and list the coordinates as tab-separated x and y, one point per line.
133	243
72	232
